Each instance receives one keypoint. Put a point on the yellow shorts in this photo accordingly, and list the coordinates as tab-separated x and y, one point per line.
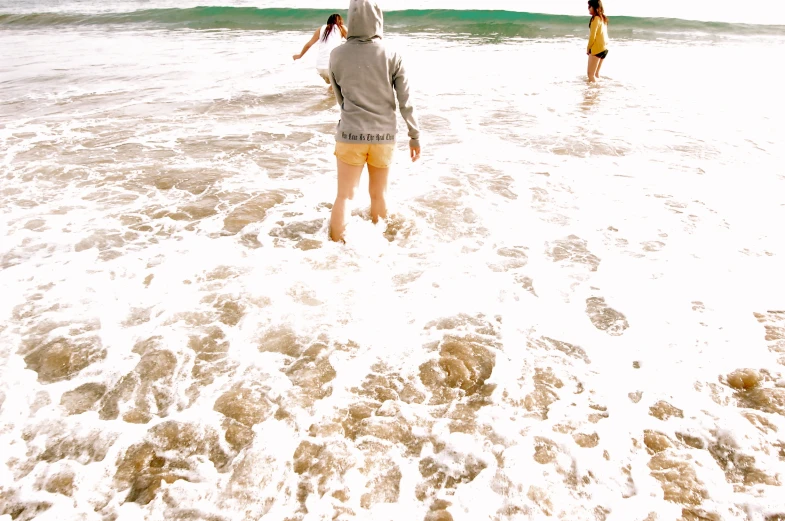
357	154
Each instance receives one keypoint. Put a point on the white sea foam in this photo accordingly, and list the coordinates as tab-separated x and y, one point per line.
545	326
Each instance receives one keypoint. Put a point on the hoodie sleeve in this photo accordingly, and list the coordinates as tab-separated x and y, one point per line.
336	89
401	84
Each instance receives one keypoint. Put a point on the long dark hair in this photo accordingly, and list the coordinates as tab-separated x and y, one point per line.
334	21
598	11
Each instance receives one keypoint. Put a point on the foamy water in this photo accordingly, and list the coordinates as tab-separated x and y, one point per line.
576	310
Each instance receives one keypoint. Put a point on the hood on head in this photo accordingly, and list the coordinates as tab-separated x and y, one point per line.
366	20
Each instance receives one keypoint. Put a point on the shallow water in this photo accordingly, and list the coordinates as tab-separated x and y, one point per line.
576	310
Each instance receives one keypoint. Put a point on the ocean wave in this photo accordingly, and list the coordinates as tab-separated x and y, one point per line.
470	22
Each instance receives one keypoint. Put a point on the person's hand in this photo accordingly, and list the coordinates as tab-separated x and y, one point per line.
415	153
297	57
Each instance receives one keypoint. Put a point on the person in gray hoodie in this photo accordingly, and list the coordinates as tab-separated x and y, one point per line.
367	78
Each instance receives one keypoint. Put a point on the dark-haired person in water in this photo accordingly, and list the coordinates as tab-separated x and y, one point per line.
598	39
329	37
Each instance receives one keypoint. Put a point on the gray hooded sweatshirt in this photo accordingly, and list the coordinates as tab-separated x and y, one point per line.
366	79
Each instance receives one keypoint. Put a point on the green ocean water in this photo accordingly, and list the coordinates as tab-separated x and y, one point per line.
472	22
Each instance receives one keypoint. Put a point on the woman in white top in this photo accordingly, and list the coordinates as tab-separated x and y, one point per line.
329	37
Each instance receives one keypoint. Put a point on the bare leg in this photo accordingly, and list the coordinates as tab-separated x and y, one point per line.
377	189
597	74
591	69
327	81
348	180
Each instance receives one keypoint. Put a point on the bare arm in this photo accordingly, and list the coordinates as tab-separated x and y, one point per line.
308	45
401	84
